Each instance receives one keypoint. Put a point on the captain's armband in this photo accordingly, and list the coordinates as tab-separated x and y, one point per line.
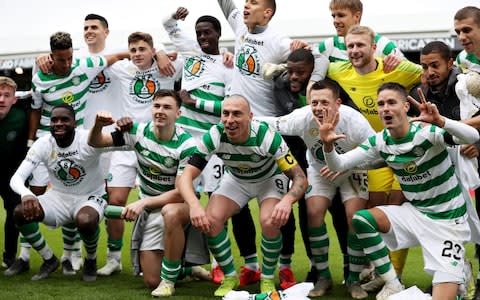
287	162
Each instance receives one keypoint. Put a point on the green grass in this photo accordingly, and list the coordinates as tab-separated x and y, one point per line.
125	286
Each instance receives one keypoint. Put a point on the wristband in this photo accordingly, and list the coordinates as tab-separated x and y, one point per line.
30	143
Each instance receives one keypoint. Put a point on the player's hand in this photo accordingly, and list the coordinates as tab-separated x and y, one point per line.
164	64
327	124
470	151
390	62
133	210
297	44
172	56
228	58
180	14
124	124
199	219
44	63
281	212
31	207
329	175
104	118
428	111
186	99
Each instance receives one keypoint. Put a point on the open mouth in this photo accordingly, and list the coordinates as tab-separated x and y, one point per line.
387	119
59	131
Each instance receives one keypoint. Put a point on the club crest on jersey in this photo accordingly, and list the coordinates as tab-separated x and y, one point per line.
143	87
11	135
68	97
99	83
69	172
193	68
418	151
76	80
247	61
169	162
255	157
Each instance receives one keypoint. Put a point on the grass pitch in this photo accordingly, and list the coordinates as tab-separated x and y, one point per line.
125	286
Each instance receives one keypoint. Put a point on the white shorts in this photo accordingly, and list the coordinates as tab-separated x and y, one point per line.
105	159
61	209
441	240
241	192
211	175
351	185
39	176
123	169
153	232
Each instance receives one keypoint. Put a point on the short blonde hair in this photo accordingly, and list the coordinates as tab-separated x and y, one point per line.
352	5
359	29
8	82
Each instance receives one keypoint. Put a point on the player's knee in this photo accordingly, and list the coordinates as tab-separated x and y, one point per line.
18	216
363	221
87	221
173	215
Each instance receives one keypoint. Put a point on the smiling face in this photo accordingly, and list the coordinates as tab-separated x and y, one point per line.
322	99
343	19
165	111
298	74
435	69
62	126
207	37
468	32
360	49
236	118
392	110
94	33
141	54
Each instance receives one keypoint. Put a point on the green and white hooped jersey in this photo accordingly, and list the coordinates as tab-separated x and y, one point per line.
253	161
50	90
334	48
205	77
252	51
301	122
159	162
421	163
137	87
468	61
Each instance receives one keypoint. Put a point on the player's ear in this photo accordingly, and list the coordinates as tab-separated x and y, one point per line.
407	105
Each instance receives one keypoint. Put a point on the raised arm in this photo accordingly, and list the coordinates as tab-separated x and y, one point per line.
96	137
227	6
462	133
